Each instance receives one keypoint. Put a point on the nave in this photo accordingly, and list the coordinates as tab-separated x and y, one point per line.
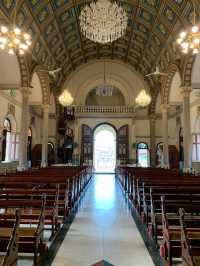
103	230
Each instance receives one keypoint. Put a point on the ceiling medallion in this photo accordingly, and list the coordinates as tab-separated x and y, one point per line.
143	99
103	21
189	41
65	98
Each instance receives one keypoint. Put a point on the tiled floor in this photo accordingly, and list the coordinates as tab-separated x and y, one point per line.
103	229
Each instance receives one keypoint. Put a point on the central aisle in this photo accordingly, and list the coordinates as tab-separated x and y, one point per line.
103	230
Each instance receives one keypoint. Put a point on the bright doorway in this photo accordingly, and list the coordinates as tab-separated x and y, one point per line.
104	149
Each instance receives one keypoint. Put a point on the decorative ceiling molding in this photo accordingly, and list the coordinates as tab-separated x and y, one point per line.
153	26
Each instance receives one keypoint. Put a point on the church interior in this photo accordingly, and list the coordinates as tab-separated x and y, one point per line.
99	132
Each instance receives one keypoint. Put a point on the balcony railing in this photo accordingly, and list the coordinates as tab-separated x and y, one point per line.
105	109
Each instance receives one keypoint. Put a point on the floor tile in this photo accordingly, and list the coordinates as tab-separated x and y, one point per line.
103	230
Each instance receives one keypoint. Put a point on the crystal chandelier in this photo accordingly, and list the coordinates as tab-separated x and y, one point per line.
65	98
189	41
13	38
105	89
143	99
103	21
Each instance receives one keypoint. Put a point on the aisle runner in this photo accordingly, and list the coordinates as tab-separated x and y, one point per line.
102	263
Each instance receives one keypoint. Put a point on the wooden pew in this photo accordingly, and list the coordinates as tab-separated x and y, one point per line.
9	238
30	238
171	245
190	242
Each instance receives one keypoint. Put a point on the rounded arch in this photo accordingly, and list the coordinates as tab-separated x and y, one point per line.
195	74
10	69
13	122
105	147
36	96
166	82
44	82
187	71
105	123
118	74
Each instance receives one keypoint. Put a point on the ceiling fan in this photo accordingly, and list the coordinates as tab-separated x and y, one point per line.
53	72
156	73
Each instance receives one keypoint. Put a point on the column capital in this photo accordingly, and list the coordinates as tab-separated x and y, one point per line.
45	107
152	118
186	90
26	91
164	107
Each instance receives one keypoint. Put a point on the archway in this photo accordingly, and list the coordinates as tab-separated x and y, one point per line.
105	149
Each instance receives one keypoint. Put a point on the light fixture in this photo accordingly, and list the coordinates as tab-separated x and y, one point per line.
65	98
189	41
14	39
103	21
105	89
143	99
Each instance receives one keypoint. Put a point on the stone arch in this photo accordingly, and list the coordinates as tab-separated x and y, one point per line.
187	71
167	81
24	71
118	74
44	82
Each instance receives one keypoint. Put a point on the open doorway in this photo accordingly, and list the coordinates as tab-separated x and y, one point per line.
105	149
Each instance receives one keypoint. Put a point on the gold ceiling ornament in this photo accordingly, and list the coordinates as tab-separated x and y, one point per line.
189	41
143	99
65	98
13	39
103	21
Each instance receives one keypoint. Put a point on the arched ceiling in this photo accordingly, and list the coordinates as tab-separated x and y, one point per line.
153	26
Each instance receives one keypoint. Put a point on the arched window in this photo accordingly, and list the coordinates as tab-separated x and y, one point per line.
142	154
6	138
196	147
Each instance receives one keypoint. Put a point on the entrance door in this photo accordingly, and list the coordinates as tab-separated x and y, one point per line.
87	144
122	144
105	149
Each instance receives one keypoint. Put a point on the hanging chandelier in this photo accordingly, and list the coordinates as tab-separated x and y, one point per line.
105	89
103	21
143	99
14	40
65	98
189	41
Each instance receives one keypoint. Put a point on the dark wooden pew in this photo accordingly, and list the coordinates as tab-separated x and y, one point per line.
190	242
9	238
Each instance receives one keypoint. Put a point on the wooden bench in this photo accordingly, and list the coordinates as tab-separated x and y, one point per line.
9	238
190	242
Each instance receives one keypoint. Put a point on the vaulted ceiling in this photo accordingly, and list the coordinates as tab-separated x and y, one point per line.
153	26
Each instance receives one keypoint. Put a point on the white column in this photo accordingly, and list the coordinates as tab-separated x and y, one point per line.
164	109
152	122
45	132
24	129
186	128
